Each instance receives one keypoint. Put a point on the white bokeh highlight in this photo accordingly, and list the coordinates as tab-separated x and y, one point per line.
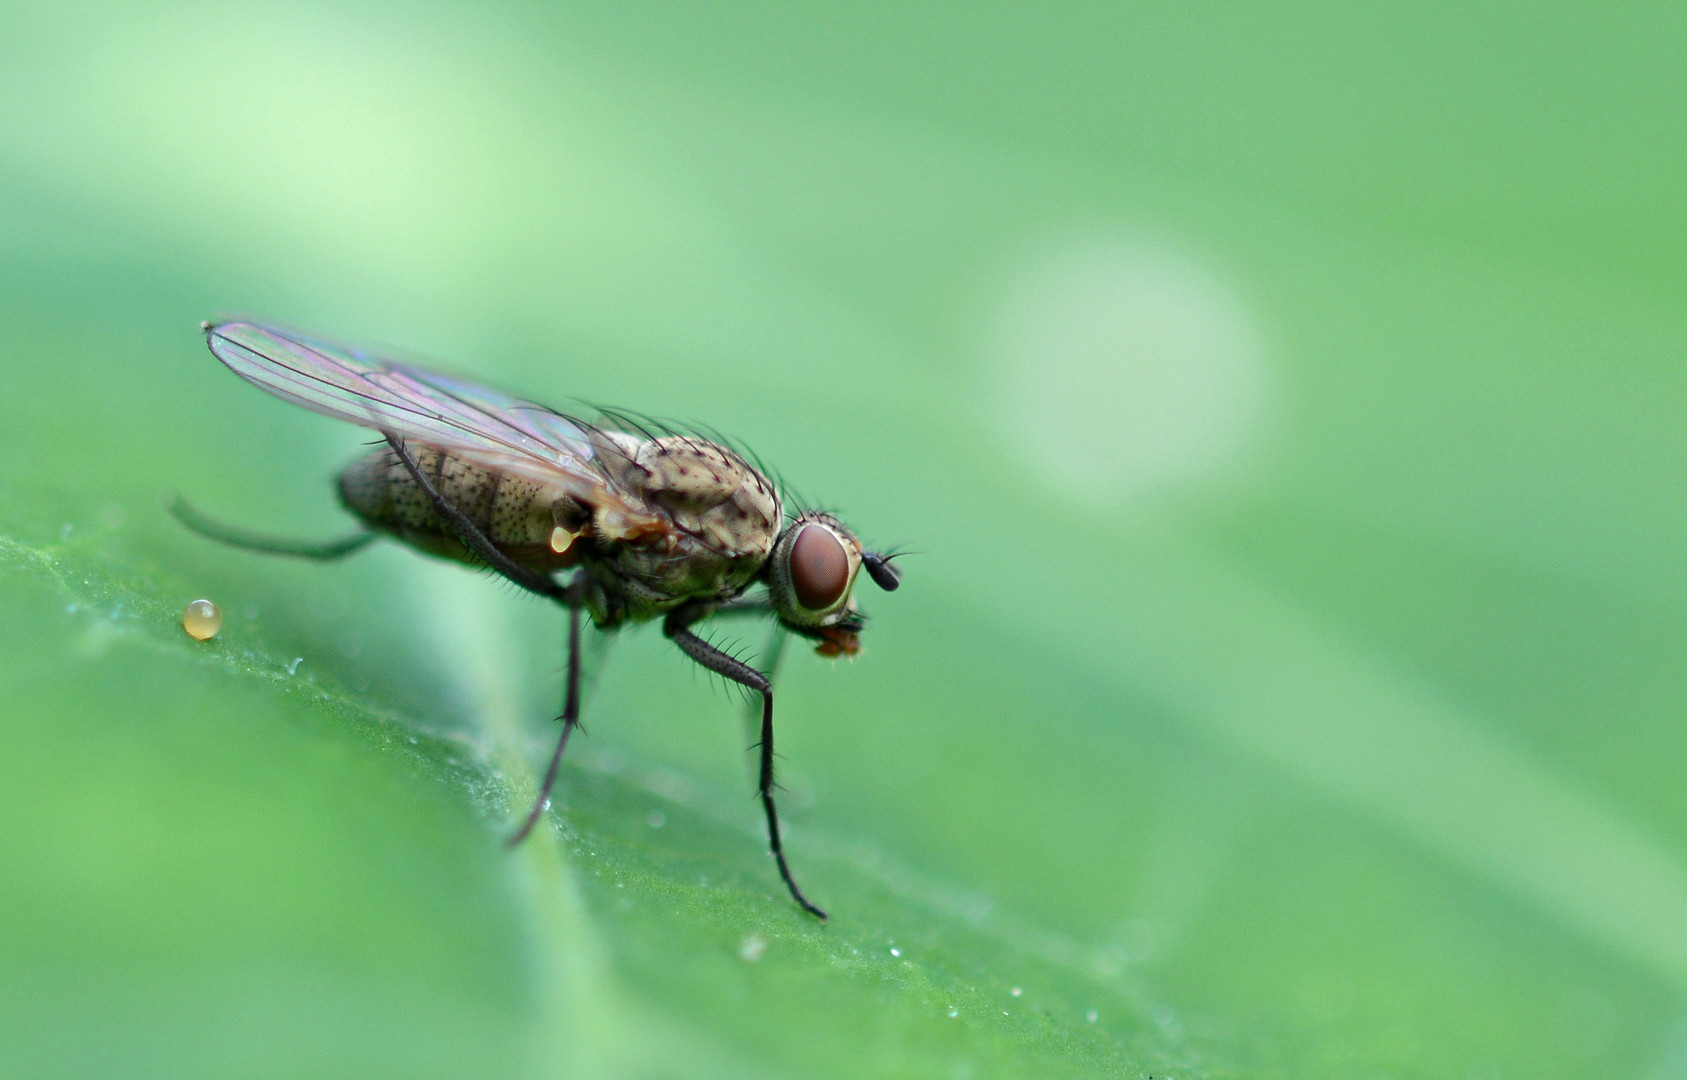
1129	368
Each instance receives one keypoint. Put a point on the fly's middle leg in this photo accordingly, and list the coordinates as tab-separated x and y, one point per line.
570	718
572	597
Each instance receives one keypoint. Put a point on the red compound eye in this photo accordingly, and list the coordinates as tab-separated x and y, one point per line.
819	568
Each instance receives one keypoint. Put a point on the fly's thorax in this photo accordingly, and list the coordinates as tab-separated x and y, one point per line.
711	525
811	578
704	489
654	574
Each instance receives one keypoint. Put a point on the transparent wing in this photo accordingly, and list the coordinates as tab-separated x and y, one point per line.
493	429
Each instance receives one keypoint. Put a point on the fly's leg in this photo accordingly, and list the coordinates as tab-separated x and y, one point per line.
471	536
572	597
677	628
570	720
768	659
235	536
743	605
594	656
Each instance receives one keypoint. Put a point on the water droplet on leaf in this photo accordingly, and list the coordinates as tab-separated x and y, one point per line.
202	620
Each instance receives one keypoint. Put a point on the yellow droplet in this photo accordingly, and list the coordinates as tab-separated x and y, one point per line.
202	620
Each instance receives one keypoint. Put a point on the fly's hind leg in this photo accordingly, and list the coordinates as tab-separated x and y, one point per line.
235	536
677	627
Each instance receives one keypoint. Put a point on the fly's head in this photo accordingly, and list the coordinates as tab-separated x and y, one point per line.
811	578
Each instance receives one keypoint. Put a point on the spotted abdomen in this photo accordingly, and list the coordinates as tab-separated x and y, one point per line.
520	517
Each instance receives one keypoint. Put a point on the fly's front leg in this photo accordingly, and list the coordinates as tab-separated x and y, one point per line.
767	660
768	663
471	536
570	715
743	605
677	628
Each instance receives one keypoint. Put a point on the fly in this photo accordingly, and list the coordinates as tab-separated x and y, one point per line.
620	519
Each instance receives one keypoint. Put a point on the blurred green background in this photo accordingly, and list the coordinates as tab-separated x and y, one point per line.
1285	404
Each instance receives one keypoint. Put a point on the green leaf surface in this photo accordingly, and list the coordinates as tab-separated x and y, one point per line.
1284	412
241	828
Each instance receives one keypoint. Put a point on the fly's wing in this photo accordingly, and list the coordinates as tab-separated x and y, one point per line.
492	429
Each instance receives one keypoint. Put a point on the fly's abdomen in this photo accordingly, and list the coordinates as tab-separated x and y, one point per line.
518	516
